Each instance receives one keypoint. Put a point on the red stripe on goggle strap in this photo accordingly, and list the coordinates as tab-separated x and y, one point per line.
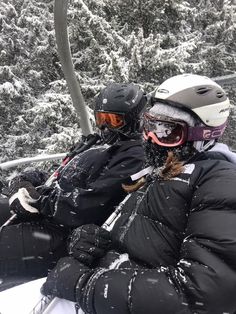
114	120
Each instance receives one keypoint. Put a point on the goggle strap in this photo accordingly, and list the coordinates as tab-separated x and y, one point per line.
200	133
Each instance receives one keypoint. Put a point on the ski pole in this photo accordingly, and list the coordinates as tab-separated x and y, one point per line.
45	301
108	224
43	304
8	221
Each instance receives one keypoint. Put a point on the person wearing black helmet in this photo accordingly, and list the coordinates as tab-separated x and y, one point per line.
86	190
174	244
117	111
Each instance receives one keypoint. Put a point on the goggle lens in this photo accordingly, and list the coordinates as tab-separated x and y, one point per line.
164	133
111	120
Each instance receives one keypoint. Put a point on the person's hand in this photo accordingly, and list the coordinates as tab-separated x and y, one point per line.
22	198
88	243
66	278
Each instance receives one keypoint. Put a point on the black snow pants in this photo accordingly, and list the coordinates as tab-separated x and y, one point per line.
4	210
28	250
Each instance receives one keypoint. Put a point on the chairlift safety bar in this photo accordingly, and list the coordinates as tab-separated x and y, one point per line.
14	163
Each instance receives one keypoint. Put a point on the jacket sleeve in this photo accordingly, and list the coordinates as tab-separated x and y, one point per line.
88	190
134	291
203	281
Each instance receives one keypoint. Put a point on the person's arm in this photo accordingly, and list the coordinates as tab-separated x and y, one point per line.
202	282
124	290
88	191
35	176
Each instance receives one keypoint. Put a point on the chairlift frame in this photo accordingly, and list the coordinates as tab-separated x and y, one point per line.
64	52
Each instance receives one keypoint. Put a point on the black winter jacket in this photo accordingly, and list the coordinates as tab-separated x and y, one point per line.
89	186
179	242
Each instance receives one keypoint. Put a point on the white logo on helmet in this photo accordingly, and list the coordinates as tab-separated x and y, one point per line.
135	97
224	110
104	101
162	90
209	134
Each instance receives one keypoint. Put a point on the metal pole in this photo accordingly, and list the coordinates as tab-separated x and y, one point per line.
13	163
63	45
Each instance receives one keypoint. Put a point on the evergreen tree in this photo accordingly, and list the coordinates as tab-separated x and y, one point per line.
28	65
142	41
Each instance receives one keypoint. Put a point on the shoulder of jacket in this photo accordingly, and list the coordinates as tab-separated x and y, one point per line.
130	143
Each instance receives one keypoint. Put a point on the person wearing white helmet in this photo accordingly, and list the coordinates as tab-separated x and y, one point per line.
194	108
174	244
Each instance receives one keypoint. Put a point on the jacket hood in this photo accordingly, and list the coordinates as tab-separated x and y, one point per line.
224	150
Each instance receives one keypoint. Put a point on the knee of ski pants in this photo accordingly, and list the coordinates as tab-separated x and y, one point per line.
31	248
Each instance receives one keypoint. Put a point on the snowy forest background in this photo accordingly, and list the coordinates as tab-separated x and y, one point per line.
143	41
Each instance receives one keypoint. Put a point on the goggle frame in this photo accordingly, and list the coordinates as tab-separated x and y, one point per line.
154	136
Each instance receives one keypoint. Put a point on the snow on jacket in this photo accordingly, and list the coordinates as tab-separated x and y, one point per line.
89	186
178	239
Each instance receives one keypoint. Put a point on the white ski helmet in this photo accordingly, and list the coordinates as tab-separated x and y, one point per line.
199	94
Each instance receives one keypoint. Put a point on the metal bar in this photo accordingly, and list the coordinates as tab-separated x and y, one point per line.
13	163
63	45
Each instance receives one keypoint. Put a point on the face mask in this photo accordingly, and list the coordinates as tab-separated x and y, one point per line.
156	155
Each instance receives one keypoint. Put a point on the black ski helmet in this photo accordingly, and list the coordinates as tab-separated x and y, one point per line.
126	100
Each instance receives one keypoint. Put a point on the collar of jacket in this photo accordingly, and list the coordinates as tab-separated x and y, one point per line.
129	143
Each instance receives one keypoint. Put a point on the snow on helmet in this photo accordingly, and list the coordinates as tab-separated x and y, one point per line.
199	94
118	108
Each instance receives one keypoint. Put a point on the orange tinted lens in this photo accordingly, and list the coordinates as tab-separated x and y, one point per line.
112	120
117	120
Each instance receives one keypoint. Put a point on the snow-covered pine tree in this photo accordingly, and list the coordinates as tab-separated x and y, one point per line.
28	64
140	41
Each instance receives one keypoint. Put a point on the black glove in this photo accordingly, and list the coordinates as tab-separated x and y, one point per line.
88	243
35	176
66	278
23	198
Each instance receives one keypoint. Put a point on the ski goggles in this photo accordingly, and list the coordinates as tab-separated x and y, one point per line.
169	133
164	131
110	120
